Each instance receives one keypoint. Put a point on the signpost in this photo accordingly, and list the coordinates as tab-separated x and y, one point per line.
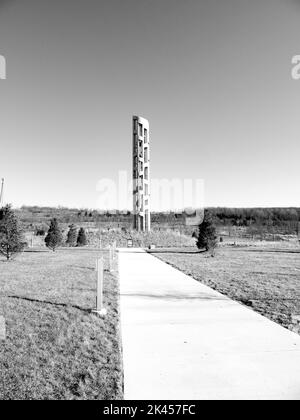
110	259
100	310
2	329
114	250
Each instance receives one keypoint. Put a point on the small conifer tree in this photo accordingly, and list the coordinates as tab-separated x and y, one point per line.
72	236
12	239
54	237
207	238
81	239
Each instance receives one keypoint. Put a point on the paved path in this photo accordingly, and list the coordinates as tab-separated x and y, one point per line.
183	340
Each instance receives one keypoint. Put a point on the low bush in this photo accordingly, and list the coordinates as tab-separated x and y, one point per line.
161	239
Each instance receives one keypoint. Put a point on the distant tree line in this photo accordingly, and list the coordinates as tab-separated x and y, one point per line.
250	216
284	220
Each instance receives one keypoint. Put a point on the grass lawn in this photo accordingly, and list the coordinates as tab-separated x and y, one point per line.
55	348
267	280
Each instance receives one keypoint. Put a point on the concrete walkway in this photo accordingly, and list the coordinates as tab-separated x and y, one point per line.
183	340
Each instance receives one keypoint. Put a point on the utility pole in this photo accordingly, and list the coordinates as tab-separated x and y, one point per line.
2	193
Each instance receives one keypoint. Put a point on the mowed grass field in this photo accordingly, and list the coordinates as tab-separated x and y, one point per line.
265	279
55	347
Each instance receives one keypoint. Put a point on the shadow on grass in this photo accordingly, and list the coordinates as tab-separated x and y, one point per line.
77	249
28	251
174	251
47	302
82	268
261	250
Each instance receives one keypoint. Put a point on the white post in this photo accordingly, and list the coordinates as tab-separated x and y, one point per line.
100	310
110	259
99	286
100	242
2	329
114	250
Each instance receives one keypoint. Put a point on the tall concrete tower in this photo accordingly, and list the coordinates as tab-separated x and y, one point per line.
141	174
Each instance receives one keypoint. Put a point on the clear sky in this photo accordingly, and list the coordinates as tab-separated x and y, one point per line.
212	76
